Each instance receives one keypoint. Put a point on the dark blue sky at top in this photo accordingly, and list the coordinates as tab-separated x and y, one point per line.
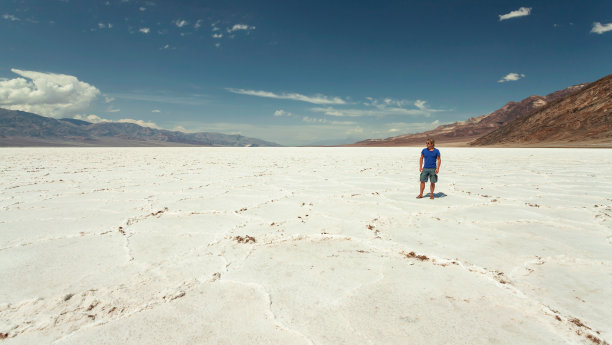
396	66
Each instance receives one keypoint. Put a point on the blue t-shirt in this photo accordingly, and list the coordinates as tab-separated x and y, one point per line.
430	158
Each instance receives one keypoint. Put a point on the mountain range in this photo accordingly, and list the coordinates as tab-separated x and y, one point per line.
579	116
18	128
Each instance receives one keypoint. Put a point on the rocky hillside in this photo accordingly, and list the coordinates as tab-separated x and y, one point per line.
18	128
583	118
463	132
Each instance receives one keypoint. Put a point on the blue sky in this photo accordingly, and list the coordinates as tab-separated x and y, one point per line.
294	72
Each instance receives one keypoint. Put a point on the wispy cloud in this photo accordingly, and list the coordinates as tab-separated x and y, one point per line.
400	128
388	102
420	104
240	27
196	100
598	28
217	35
91	118
314	120
156	111
387	111
371	107
97	119
10	17
511	77
281	112
383	107
46	94
105	25
316	99
318	120
521	12
180	22
144	30
140	123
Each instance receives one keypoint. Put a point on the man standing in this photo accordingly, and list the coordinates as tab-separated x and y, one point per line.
431	167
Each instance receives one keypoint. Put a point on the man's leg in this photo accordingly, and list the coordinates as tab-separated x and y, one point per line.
422	189
432	186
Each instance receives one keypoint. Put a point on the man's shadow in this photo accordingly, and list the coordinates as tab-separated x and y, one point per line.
436	195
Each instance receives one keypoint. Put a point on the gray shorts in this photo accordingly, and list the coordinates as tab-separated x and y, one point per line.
431	173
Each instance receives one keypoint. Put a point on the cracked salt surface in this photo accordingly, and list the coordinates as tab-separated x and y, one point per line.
304	246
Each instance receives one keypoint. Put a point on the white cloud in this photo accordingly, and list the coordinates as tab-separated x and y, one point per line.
384	107
420	104
140	123
343	122
145	30
10	17
163	97
385	102
354	131
316	120
142	9
317	99
281	112
400	128
91	118
313	120
521	12
217	35
197	24
96	119
217	45
112	110
600	29
156	111
46	94
511	77
240	27
105	25
386	111
180	23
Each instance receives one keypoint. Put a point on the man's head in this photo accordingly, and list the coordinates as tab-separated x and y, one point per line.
430	142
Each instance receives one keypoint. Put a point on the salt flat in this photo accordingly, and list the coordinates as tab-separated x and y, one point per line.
304	246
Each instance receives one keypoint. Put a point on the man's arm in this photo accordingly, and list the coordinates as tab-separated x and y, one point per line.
439	163
421	163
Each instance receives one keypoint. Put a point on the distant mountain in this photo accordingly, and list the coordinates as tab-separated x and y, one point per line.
462	132
583	118
18	128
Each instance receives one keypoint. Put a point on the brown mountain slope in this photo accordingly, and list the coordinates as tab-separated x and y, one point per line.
581	119
462	132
